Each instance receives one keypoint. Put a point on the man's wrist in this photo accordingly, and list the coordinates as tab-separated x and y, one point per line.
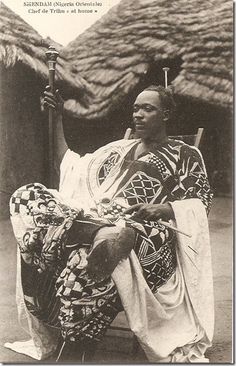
84	230
170	213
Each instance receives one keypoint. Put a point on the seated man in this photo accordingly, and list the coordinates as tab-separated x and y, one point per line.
106	241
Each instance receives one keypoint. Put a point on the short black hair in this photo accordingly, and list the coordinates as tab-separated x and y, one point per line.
166	97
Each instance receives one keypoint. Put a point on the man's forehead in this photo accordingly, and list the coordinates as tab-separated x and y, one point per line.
148	97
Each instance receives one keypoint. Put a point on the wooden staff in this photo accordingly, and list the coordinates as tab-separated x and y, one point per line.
51	55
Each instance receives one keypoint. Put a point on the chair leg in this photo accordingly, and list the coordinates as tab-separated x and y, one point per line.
83	357
135	346
79	352
60	351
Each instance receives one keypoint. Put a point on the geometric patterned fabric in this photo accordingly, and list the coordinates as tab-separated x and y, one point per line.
141	189
83	308
107	165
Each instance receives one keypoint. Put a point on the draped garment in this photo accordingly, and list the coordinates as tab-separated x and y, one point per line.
99	187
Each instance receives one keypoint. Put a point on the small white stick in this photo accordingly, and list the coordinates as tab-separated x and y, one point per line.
166	69
178	231
167	224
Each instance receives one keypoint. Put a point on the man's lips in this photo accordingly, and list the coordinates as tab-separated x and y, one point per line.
139	125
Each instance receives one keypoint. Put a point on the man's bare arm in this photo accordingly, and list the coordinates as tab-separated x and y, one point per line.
55	102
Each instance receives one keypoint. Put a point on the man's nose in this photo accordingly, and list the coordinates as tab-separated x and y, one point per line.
138	113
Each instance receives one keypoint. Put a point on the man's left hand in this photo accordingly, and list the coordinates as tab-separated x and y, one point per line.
151	212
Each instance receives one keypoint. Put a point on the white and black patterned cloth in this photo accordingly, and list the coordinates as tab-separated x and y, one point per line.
79	306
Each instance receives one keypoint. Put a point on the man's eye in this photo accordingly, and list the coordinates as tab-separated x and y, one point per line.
145	108
148	108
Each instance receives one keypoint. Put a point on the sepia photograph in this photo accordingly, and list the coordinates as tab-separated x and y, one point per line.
116	182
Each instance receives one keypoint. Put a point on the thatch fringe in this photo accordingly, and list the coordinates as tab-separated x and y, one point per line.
115	54
20	43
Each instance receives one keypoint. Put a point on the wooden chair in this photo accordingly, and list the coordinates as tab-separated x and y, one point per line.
195	139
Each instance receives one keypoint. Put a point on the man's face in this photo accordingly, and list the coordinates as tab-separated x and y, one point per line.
148	115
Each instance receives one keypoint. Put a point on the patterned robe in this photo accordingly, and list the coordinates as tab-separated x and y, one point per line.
98	188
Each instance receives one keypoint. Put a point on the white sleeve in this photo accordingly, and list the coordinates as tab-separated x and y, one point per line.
68	164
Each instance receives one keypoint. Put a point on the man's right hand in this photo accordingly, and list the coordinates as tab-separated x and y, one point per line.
53	100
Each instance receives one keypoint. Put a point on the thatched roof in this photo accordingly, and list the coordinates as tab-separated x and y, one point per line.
20	43
115	54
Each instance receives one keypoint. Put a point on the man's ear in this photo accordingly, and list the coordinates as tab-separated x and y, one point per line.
166	115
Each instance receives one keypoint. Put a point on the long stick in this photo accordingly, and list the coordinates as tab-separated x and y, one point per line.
52	55
174	228
167	224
